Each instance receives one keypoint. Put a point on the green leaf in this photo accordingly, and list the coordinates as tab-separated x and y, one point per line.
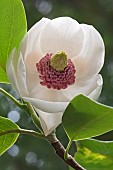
95	155
13	27
7	140
70	168
3	76
84	118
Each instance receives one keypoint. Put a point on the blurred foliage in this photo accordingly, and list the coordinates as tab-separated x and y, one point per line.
35	154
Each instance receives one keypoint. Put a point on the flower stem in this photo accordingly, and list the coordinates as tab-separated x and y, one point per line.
27	107
19	104
23	131
60	151
67	149
34	116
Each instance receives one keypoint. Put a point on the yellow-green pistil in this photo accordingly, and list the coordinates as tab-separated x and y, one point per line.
59	61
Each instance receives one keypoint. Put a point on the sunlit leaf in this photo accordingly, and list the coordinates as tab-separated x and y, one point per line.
84	118
6	141
95	155
12	29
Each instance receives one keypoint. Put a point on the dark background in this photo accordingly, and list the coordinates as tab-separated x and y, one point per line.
32	153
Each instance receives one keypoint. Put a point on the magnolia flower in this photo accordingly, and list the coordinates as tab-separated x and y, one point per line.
57	60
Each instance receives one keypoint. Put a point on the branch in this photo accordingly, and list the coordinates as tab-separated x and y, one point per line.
60	151
22	131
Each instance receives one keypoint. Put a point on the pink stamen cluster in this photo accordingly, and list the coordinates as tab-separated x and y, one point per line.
55	79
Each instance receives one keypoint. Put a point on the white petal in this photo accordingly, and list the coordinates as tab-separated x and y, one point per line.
32	81
49	121
32	77
31	52
11	70
62	33
96	93
89	88
21	71
46	106
30	43
44	93
91	58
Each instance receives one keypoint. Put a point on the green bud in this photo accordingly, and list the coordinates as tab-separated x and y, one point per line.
59	61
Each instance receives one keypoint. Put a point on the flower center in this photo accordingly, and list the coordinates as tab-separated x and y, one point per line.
59	61
56	71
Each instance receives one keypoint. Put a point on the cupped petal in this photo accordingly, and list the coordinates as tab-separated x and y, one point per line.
21	72
12	70
49	121
96	93
63	33
31	52
30	43
47	106
91	58
44	93
90	88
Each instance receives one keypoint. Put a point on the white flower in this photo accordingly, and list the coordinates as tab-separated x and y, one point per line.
83	46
